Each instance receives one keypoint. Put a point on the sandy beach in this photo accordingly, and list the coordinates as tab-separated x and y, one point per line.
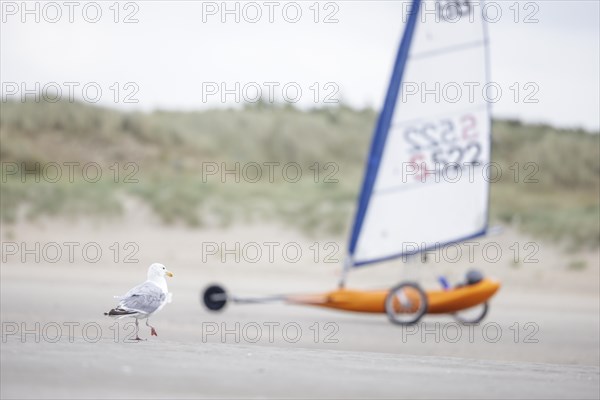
540	339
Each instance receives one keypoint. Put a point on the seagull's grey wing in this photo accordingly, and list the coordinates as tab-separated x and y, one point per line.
145	298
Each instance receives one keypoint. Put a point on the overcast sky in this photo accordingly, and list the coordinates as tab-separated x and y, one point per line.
176	49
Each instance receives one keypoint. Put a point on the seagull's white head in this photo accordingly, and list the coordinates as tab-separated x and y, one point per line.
157	270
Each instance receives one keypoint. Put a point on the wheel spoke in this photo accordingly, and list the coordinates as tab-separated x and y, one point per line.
406	303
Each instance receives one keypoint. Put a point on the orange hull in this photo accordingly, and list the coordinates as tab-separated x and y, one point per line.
439	301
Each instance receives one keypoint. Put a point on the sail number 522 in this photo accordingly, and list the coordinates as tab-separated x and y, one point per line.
430	136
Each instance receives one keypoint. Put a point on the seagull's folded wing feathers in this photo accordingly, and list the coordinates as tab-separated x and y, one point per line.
145	298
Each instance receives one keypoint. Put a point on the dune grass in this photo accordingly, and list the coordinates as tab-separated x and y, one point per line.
557	198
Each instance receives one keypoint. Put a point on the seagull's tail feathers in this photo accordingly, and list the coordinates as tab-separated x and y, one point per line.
119	312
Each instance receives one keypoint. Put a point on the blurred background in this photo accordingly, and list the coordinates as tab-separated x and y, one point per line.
164	74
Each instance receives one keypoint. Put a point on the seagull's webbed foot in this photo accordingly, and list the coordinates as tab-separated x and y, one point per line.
139	339
152	330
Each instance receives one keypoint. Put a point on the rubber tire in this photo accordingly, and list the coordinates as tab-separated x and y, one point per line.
390	312
209	303
474	321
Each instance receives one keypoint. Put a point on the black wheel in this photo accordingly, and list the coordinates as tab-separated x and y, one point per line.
214	297
473	315
406	304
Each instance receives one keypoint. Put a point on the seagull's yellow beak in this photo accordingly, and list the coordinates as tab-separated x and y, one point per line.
169	274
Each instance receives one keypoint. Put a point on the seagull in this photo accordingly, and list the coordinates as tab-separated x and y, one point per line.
145	299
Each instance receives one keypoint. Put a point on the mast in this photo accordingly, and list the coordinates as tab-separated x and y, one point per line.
380	135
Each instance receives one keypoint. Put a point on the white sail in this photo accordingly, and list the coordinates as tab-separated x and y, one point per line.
426	183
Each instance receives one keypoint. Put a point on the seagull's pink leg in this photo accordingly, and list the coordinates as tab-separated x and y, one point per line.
152	330
137	329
